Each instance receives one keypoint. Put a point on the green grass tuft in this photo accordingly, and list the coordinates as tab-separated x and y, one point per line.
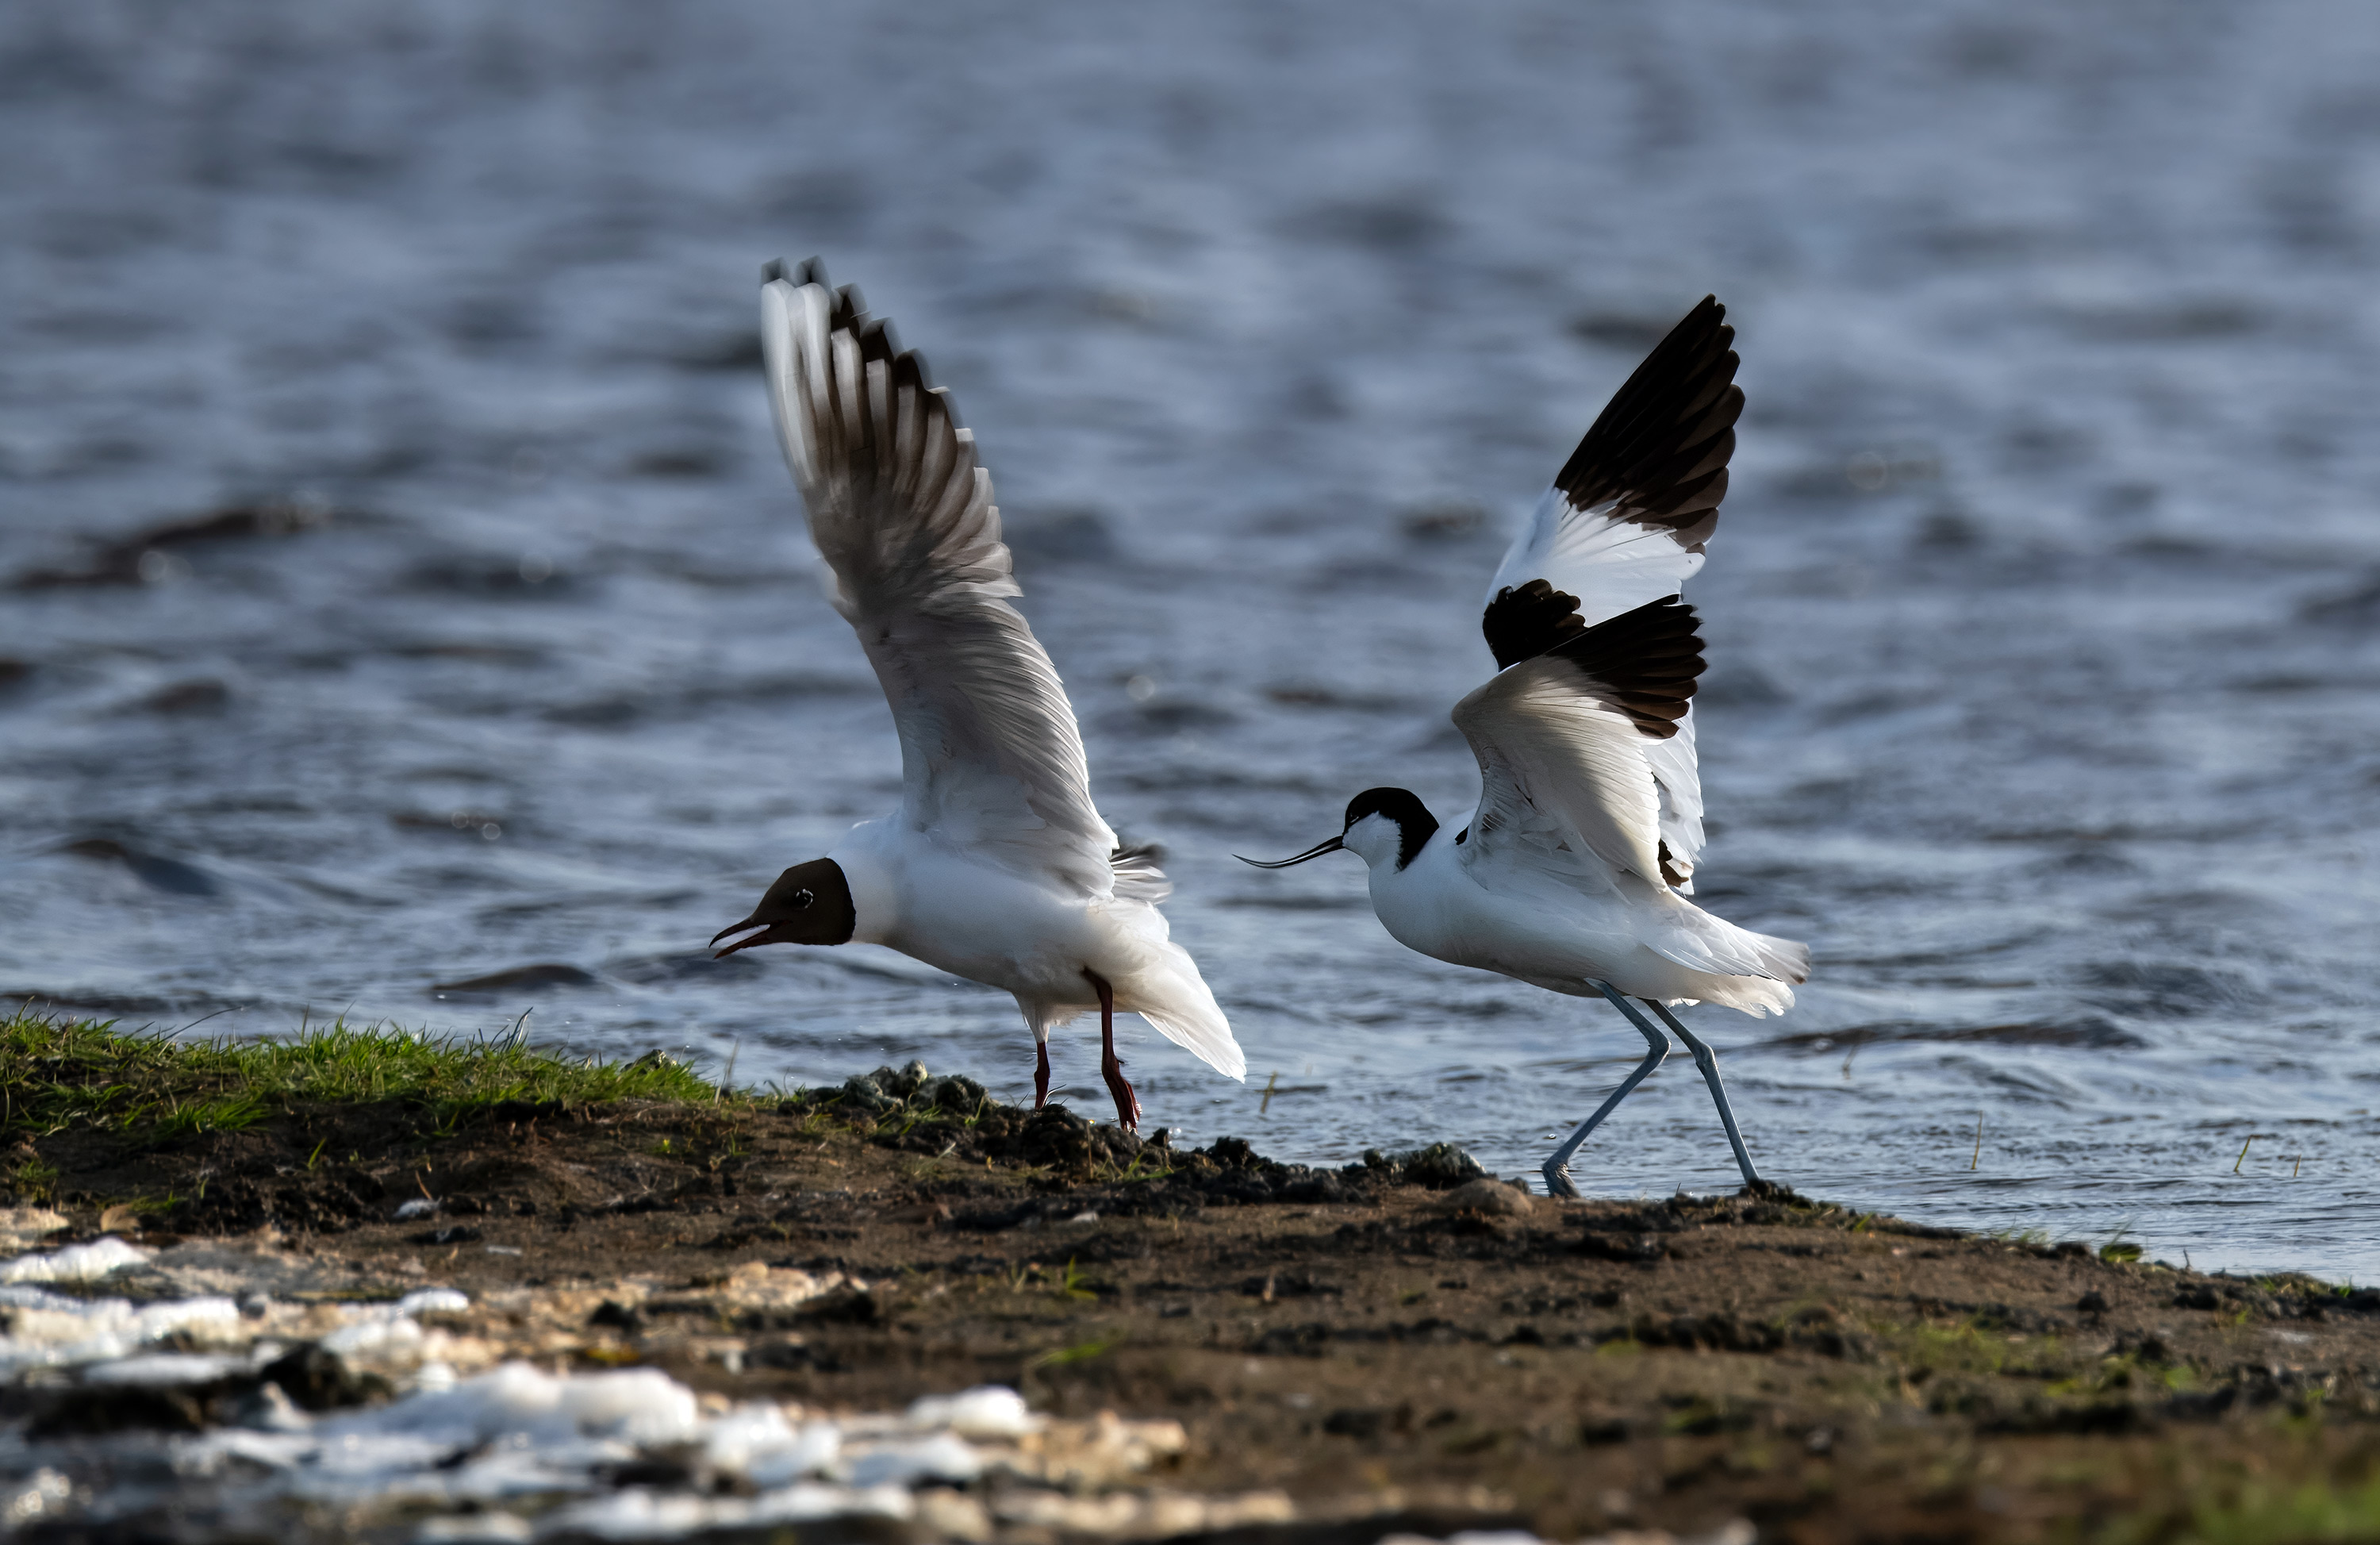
1081	1352
1072	1286
60	1075
2260	1512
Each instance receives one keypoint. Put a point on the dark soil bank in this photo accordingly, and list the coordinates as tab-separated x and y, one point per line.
1458	1352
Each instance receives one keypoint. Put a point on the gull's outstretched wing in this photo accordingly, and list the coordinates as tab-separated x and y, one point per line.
1562	736
990	757
1624	524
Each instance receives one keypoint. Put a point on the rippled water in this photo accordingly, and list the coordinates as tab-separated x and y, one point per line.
2044	613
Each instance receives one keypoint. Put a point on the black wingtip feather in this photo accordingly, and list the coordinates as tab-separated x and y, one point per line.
1658	451
876	339
877	344
875	335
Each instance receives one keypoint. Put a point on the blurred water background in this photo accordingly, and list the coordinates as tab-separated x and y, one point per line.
403	587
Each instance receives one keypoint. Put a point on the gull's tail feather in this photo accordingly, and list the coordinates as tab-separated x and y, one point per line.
1173	998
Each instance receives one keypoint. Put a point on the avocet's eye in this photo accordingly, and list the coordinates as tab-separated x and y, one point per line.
802	898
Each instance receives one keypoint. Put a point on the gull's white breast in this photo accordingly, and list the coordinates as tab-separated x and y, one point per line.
938	903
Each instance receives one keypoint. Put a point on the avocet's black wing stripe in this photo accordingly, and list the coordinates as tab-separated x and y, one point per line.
1568	736
1644	662
1525	621
1647	658
1624	524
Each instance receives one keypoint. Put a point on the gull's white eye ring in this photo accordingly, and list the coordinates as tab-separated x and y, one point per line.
802	898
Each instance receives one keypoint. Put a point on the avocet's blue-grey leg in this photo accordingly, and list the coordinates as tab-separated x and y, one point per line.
1557	1168
1707	1060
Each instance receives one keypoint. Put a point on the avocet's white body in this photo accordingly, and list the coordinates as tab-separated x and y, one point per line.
1574	870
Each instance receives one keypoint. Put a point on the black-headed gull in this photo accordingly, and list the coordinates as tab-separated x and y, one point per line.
998	867
1573	871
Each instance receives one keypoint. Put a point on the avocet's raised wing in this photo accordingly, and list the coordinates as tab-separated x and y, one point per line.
1560	737
1624	524
1568	794
989	752
1626	518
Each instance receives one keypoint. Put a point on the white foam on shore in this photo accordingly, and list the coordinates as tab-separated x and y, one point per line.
640	1514
50	1329
992	1411
165	1369
74	1263
519	1452
529	1433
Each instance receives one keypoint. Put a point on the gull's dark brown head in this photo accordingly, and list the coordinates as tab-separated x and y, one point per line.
810	904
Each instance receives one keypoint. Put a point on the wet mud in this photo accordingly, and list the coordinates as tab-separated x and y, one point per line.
1403	1343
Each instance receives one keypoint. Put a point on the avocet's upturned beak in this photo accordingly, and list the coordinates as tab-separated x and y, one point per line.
1316	851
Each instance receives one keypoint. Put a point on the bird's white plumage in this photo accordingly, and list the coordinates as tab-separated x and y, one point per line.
1611	564
1626	518
998	867
1561	768
1574	867
990	757
1680	785
1572	871
1568	834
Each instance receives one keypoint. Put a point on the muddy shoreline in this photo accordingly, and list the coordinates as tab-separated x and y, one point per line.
1401	1344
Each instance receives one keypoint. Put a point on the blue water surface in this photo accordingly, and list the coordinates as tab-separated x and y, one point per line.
2045	611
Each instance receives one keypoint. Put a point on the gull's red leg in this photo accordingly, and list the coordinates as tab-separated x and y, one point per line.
1041	1074
1112	1066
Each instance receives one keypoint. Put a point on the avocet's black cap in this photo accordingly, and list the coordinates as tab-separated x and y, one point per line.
1415	825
